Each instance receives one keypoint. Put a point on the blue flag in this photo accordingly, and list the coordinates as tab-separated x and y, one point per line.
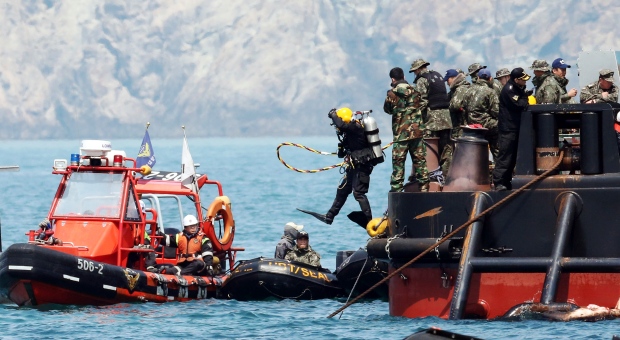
146	155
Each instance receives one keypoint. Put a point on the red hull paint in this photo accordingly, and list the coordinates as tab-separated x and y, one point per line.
491	295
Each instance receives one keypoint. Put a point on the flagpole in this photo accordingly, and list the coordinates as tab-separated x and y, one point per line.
146	158
194	186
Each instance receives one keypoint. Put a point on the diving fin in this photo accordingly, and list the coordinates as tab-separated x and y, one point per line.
318	216
358	217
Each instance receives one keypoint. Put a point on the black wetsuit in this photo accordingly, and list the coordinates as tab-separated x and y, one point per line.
357	179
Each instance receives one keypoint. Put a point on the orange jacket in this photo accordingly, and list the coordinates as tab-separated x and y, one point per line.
191	248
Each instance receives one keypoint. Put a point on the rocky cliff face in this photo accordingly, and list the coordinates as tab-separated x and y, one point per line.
250	68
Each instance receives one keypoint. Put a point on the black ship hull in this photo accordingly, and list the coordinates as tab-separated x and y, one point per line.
550	240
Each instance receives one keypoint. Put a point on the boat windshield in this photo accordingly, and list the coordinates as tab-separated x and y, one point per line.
91	194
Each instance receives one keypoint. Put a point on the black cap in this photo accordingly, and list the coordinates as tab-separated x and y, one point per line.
303	234
519	73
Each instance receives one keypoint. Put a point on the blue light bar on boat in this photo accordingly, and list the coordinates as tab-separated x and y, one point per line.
75	158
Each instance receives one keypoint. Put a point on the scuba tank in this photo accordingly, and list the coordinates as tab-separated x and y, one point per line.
372	134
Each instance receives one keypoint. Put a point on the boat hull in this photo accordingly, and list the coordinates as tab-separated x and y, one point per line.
359	272
260	279
537	248
491	295
34	275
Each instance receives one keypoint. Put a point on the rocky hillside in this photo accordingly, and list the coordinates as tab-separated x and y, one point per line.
74	69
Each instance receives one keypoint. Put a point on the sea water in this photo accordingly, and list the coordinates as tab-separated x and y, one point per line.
264	195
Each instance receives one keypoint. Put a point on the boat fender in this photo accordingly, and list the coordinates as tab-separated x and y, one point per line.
377	226
372	134
221	206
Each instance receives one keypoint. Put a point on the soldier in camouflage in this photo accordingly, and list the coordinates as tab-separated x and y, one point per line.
402	103
482	107
434	104
541	72
601	91
458	87
473	69
302	252
501	78
553	88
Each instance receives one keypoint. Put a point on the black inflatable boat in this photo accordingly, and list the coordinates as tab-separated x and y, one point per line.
265	278
358	272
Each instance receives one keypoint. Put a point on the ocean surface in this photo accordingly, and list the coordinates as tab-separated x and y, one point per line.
264	195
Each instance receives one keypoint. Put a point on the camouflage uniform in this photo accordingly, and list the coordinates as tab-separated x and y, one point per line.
402	102
458	89
539	80
434	104
482	107
435	120
307	256
540	65
553	91
594	92
472	71
497	87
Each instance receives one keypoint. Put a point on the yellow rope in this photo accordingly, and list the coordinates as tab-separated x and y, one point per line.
314	151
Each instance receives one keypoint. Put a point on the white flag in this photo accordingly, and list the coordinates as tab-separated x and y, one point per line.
187	168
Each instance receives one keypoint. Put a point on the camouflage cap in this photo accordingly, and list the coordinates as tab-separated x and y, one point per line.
540	65
475	67
417	64
607	74
502	72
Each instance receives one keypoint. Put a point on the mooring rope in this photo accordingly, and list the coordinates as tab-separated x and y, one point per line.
356	280
445	238
314	151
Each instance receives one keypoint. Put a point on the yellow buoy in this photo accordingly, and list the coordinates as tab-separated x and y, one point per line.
377	226
145	170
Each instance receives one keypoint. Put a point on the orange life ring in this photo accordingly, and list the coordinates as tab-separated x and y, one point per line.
221	206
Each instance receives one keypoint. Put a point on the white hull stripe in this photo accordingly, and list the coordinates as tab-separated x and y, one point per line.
20	267
109	287
72	278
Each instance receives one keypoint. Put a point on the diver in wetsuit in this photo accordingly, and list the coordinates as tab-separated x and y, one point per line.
355	147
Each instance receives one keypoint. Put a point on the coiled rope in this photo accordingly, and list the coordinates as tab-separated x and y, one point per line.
445	238
314	151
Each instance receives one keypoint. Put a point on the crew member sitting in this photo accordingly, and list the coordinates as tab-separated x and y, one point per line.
302	252
46	232
195	253
287	242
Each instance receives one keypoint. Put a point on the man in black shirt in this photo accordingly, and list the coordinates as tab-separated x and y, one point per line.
512	102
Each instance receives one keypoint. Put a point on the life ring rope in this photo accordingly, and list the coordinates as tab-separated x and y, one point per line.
314	151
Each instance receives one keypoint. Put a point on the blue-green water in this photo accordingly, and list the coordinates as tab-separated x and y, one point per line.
264	195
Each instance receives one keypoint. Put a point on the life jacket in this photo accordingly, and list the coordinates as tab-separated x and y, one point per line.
189	248
437	94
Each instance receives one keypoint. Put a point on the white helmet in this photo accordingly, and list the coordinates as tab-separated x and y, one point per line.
189	220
